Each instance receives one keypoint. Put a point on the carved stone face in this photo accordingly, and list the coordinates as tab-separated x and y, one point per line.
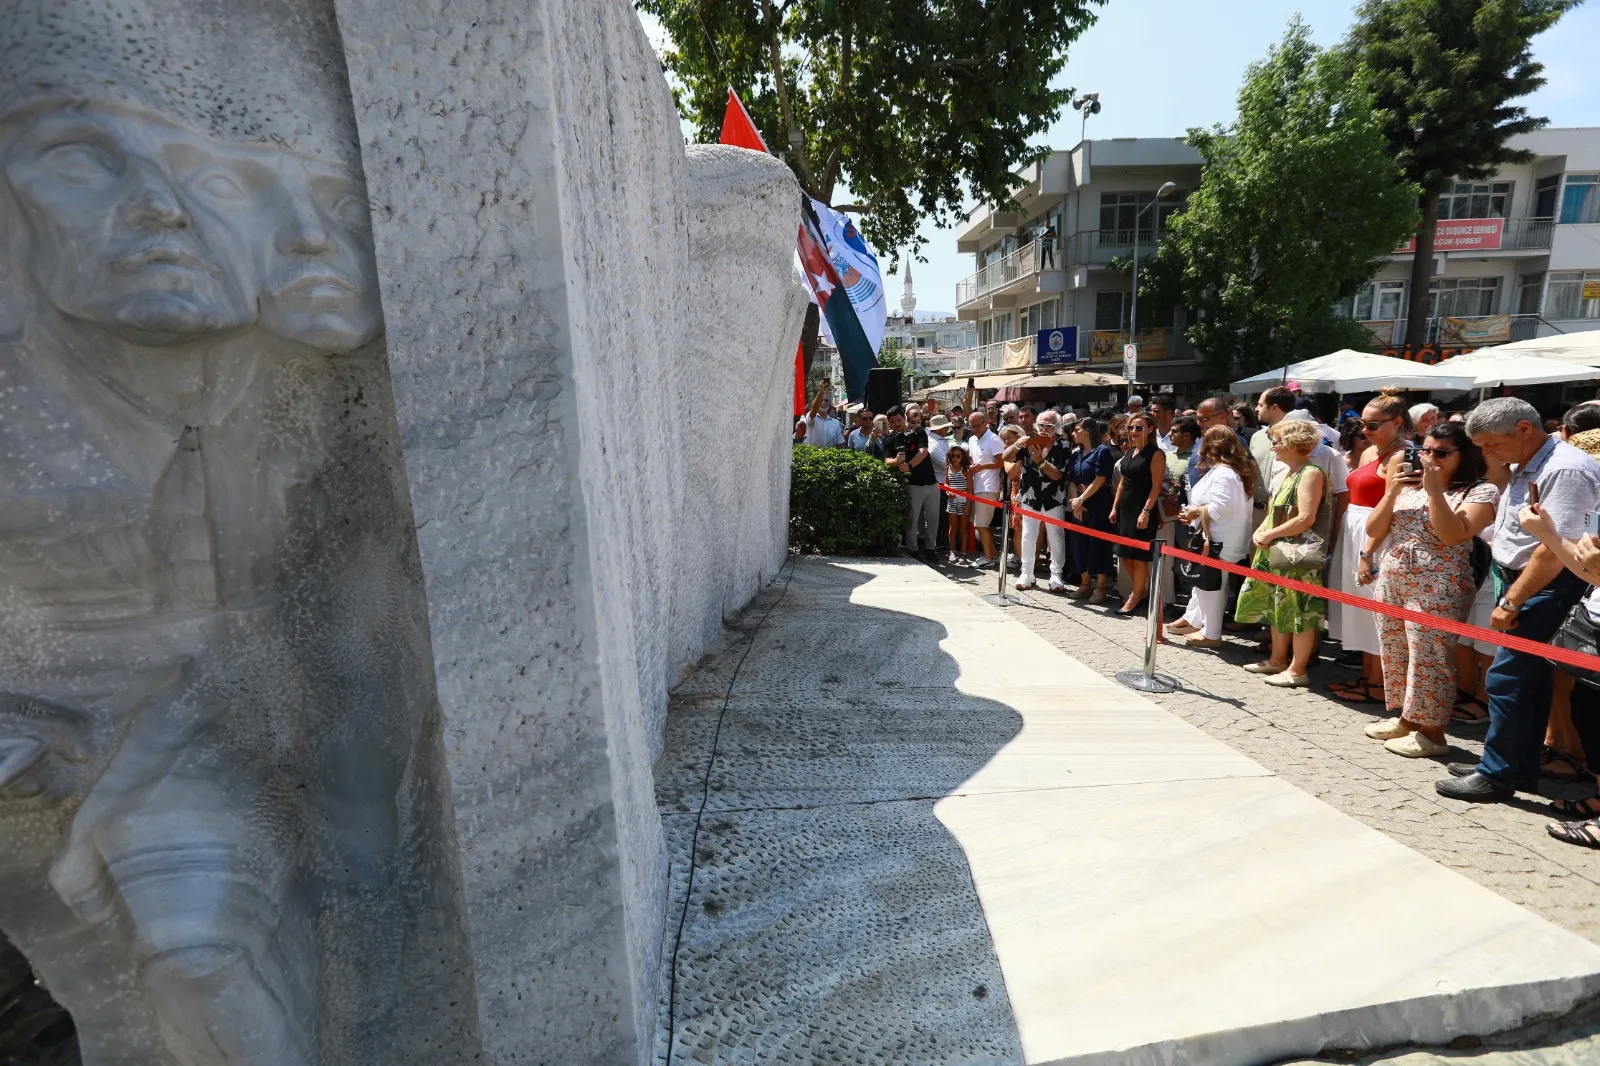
120	239
306	231
321	281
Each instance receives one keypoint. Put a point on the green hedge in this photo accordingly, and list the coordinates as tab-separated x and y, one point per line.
844	502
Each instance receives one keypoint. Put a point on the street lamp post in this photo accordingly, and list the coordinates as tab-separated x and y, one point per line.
1133	309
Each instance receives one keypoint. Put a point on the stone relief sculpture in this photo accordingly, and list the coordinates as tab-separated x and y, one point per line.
223	829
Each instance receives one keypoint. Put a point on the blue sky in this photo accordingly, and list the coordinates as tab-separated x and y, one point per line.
1162	66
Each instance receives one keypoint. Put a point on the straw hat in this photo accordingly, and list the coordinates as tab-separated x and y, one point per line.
939	422
1588	441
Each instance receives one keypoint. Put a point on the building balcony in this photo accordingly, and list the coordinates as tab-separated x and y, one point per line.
1017	273
1097	347
1465	236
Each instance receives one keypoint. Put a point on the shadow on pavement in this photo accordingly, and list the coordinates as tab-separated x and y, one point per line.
831	917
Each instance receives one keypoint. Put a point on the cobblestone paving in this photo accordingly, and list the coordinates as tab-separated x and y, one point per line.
1316	743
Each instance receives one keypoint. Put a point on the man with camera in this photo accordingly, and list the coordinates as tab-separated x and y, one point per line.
1534	592
1044	457
906	449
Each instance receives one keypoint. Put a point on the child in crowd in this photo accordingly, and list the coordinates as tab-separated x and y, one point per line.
960	534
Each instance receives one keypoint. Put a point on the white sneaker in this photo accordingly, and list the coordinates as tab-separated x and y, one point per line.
1056	585
1415	746
953	559
1388	729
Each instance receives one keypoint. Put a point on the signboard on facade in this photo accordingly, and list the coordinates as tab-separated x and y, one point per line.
1057	347
1105	346
1475	332
1591	290
1130	363
1463	235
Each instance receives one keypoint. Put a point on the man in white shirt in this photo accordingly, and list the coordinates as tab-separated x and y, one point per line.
985	472
822	429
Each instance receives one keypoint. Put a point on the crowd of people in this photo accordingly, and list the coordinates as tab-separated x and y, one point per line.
1489	515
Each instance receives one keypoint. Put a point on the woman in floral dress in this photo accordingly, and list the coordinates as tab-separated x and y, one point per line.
1430	518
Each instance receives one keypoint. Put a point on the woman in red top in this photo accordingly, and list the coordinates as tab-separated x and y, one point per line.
1388	428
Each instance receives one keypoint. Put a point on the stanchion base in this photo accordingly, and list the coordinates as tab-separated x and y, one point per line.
1001	600
1159	683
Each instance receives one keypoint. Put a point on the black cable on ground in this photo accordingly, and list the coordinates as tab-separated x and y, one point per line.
694	838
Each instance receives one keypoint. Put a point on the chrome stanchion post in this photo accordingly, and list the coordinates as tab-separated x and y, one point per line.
1000	599
1147	680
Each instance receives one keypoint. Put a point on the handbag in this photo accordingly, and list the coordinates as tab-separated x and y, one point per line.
1201	577
1579	633
1304	551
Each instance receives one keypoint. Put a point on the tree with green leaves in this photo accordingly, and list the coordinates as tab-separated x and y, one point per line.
1446	72
909	106
1298	203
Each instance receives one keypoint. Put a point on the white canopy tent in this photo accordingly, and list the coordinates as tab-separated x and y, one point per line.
1581	347
1494	367
1352	371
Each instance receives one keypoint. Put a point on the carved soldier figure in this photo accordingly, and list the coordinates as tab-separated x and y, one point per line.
216	707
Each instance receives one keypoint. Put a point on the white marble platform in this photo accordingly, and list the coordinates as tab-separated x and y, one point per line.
1147	894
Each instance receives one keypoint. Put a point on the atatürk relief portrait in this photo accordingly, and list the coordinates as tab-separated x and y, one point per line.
221	807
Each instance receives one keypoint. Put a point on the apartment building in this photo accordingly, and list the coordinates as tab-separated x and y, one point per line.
1516	256
1099	197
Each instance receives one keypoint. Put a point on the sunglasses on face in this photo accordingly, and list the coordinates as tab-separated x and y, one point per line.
1376	423
1439	453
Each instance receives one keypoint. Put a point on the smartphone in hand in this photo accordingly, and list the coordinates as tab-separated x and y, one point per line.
1533	493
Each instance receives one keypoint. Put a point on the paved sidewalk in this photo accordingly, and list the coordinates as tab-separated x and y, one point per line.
904	828
1316	743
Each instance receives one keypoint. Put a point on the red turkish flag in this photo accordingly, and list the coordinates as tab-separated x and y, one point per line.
738	130
800	405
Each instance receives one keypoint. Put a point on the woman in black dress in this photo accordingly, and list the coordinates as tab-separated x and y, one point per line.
1133	510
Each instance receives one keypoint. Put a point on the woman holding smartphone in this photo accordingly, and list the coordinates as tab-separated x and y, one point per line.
1429	517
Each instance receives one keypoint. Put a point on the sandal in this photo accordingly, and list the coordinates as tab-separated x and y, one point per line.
1559	767
1584	834
1467	706
1358	691
1574	810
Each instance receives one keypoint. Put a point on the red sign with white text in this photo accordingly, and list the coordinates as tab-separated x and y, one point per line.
1462	235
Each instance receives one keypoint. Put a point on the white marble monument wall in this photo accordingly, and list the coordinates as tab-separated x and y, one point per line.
569	393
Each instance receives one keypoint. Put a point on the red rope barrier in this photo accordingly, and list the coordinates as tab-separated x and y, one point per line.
1447	625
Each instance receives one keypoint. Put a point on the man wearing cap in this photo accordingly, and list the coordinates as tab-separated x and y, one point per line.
859	439
939	445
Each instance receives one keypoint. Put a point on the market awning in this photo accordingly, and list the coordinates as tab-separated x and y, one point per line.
1351	371
1582	347
1072	379
1497	366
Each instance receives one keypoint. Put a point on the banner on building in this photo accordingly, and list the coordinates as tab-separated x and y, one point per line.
1019	353
1474	332
1105	346
1462	235
1384	331
1591	290
1056	347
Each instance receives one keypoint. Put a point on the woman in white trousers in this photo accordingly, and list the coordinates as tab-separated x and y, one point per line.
1221	503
